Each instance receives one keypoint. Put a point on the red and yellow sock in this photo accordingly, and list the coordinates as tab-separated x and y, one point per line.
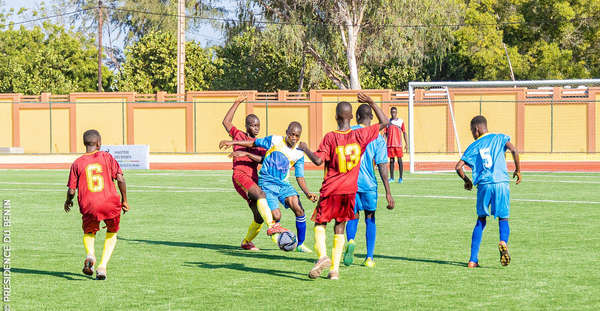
253	231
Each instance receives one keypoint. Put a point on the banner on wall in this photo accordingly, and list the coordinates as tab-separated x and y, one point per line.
130	157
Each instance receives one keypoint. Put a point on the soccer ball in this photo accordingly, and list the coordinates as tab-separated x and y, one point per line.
287	241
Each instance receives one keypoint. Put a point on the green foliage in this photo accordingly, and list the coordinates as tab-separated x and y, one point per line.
48	59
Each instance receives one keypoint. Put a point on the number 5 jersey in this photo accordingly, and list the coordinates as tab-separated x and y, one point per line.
486	157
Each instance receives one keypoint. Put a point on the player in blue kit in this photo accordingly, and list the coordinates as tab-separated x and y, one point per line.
283	154
486	158
366	197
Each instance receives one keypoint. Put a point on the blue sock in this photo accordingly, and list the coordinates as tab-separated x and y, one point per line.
476	239
301	228
370	235
351	228
504	230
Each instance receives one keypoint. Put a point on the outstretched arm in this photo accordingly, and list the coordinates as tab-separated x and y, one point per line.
224	144
311	155
227	121
384	174
515	154
463	176
123	190
69	201
252	156
383	120
302	183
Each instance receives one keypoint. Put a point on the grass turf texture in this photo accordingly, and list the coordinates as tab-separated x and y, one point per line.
178	249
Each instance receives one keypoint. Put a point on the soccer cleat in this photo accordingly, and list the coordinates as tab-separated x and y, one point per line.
369	263
303	249
101	273
399	180
333	275
249	246
321	264
504	256
391	180
276	228
349	253
472	265
88	265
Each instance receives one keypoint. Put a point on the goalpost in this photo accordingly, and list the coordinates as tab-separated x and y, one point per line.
540	92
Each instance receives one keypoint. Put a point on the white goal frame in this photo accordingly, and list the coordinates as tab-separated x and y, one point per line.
469	84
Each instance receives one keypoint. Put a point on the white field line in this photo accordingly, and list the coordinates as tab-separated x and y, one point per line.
207	190
129	186
474	198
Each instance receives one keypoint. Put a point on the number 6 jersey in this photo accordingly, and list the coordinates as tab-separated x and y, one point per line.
92	175
341	151
486	157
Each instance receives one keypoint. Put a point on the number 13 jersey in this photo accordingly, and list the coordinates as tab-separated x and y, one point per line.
341	151
92	175
486	157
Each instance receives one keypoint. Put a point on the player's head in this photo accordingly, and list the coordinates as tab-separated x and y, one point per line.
343	112
478	126
252	125
364	114
91	139
394	112
292	134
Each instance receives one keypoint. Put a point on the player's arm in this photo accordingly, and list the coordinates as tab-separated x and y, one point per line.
123	190
383	120
461	173
69	200
302	183
224	144
252	156
227	121
384	174
405	141
311	155
515	154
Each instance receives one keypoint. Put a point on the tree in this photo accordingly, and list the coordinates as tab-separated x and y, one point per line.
48	59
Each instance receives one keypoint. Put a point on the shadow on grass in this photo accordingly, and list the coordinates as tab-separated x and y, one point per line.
242	267
263	255
440	262
66	275
184	244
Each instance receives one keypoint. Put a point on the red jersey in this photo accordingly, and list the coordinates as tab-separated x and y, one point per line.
92	175
341	152
245	164
394	132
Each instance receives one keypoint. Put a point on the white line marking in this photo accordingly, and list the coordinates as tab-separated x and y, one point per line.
474	198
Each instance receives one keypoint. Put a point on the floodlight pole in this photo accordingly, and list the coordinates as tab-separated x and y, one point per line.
180	47
100	46
411	127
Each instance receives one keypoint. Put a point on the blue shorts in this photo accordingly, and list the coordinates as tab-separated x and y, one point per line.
277	193
365	201
496	195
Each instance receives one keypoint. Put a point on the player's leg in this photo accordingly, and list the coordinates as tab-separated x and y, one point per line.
391	168
293	202
351	229
112	227
400	169
336	252
483	201
321	216
253	229
370	206
501	209
90	226
262	205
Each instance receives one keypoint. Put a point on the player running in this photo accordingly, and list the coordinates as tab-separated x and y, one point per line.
245	176
486	159
341	151
92	175
282	154
394	142
366	197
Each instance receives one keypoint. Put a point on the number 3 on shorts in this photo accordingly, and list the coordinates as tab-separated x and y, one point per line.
352	150
95	182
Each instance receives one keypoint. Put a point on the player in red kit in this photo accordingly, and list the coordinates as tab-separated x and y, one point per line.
92	175
341	151
394	133
245	175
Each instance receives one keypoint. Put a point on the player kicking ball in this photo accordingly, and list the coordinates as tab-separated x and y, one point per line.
341	151
485	156
92	176
282	154
366	197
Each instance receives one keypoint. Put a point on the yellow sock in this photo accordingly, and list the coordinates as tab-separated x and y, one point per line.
88	243
336	253
320	247
263	208
253	231
109	245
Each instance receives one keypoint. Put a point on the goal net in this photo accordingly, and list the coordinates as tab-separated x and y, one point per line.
530	112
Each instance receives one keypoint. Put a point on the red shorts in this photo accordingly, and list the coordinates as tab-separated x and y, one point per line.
242	183
395	152
336	206
91	224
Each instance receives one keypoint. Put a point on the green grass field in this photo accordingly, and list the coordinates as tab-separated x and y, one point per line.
179	249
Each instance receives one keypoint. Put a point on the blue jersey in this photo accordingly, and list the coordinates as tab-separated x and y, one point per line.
375	153
486	157
279	159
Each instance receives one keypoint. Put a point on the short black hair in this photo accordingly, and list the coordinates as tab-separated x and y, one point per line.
342	109
90	137
251	117
294	125
363	112
478	120
393	108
